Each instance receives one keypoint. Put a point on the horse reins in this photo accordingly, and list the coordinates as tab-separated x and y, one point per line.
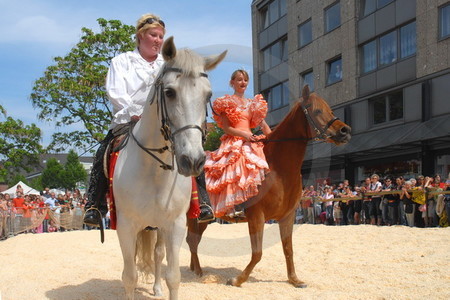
166	131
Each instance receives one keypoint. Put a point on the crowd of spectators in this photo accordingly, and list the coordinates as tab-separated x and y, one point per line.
46	212
415	202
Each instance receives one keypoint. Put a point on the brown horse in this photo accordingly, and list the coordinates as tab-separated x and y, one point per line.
278	198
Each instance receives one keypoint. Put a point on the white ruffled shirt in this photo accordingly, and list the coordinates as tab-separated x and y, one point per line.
128	83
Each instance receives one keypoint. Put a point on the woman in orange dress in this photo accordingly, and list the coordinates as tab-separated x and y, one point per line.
235	170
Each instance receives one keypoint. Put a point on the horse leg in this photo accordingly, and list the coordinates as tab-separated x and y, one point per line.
159	255
127	238
174	238
286	227
256	230
193	238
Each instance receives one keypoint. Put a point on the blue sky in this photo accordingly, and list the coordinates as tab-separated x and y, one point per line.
33	32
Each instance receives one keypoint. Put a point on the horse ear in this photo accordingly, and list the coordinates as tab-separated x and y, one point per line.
212	61
305	93
169	51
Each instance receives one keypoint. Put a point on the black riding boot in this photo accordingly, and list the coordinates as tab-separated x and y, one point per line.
96	206
206	212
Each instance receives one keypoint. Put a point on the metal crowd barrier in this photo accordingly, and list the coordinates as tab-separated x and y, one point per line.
14	221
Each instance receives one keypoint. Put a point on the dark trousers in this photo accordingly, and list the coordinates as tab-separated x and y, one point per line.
98	183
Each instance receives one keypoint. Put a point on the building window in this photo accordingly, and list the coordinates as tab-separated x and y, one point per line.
384	50
307	78
275	54
387	108
332	17
305	33
273	12
444	21
388	48
284	50
334	69
369	56
408	40
370	6
277	96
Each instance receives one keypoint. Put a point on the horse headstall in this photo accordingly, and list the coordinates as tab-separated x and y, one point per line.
158	92
321	133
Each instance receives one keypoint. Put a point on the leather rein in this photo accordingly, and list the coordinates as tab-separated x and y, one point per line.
166	130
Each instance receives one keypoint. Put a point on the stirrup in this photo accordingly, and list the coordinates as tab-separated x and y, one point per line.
206	213
99	213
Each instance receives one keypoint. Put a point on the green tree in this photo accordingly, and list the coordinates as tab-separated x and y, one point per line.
16	178
213	138
72	91
19	146
74	171
53	175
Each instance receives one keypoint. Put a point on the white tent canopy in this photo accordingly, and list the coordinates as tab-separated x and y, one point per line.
27	190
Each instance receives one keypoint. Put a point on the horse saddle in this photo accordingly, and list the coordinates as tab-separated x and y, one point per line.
115	145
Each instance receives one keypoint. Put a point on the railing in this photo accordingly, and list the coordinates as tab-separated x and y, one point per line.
368	195
14	221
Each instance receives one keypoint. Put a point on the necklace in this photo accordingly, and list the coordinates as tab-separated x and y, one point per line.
242	103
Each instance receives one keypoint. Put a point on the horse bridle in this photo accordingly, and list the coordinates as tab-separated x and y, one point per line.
166	131
321	133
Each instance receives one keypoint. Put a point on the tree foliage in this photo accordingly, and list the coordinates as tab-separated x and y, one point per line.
19	146
72	91
66	176
74	171
213	138
53	175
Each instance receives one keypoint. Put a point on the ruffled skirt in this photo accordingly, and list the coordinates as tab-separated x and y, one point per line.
233	173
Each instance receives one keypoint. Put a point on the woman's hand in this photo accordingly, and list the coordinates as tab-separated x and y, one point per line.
249	137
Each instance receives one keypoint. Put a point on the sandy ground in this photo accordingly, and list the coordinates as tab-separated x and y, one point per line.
348	262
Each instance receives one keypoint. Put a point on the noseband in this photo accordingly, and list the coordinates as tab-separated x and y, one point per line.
166	130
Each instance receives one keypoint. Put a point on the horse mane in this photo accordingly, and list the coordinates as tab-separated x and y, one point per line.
284	125
189	62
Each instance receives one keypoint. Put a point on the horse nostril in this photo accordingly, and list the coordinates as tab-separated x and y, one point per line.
345	130
200	163
186	162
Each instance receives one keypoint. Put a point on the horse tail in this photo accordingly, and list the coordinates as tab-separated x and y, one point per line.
145	252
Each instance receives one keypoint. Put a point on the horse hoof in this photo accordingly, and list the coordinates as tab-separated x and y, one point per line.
300	285
233	282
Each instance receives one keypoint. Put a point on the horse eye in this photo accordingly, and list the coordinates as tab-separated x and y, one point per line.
170	93
317	112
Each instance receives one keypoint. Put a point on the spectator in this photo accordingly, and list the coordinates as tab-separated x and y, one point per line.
391	203
418	196
18	204
357	207
51	201
405	196
367	201
328	205
375	186
400	182
3	218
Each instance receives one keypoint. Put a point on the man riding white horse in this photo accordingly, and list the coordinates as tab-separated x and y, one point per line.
128	83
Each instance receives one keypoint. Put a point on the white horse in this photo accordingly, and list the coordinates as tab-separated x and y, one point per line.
150	188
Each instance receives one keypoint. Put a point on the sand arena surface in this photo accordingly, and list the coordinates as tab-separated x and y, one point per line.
337	262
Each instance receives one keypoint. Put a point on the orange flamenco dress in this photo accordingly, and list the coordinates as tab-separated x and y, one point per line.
235	170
